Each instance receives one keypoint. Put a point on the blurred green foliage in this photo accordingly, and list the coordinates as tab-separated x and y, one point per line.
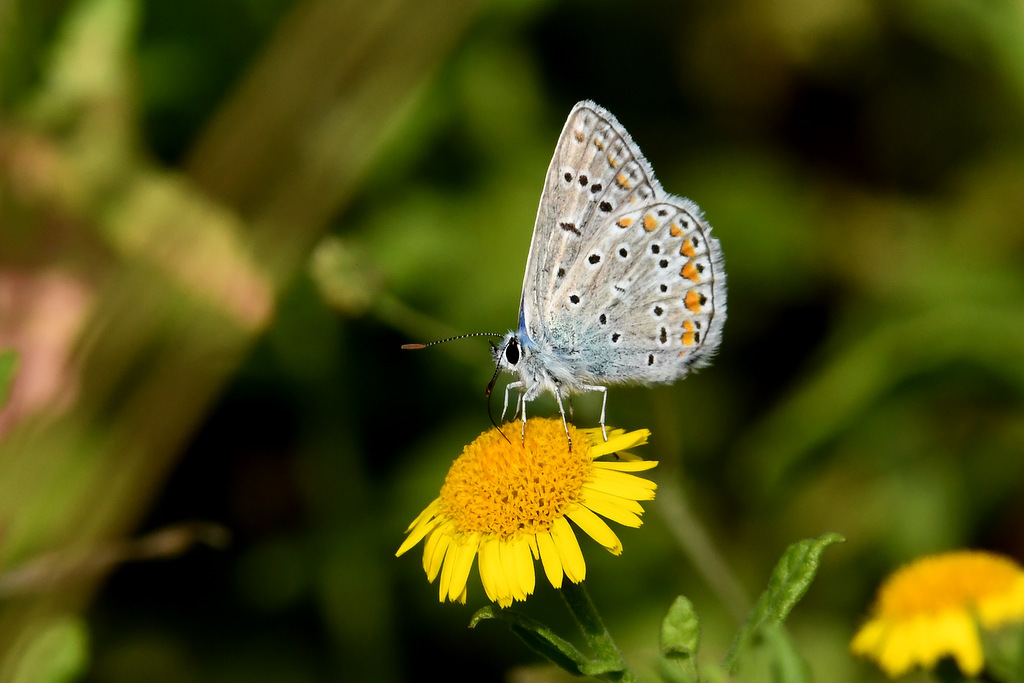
861	161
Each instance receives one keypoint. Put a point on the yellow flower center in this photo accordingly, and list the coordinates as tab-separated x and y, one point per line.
955	580
509	487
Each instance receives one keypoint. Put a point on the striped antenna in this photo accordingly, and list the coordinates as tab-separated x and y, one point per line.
442	341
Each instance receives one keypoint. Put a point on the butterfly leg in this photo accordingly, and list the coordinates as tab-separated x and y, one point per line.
522	404
504	408
565	424
604	404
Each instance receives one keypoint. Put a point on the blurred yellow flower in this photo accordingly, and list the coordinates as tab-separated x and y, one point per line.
932	607
509	501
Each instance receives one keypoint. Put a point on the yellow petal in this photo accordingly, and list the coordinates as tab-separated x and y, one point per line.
595	527
868	638
573	564
428	512
1005	607
621	510
465	553
534	550
623	485
447	566
487	562
434	551
522	556
549	559
508	567
626	466
618	440
422	529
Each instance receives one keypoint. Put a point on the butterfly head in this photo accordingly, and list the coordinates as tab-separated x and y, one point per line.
507	356
517	355
508	353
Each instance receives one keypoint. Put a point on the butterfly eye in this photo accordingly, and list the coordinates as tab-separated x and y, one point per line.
512	352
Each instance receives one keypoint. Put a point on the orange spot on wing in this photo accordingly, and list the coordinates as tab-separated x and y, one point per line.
612	161
687	249
622	180
675	230
599	145
650	224
692	301
689	337
690	272
579	136
625	222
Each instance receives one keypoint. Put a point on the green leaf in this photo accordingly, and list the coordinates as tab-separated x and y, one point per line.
546	643
787	664
789	582
679	641
8	367
771	658
680	630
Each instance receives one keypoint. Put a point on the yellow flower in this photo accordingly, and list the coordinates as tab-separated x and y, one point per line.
932	607
509	501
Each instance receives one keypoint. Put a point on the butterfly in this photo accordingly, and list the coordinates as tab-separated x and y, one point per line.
624	282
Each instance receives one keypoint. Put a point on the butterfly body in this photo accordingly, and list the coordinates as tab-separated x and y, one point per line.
624	282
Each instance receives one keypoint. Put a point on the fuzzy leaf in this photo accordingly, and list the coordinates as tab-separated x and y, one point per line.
680	630
787	664
679	641
789	582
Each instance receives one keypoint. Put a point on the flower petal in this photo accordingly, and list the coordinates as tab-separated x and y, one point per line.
618	440
508	568
428	512
424	527
573	564
596	528
549	559
621	510
1006	607
465	552
523	558
626	465
447	566
534	550
623	485
489	565
435	550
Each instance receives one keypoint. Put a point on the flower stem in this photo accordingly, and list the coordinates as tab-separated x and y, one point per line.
597	636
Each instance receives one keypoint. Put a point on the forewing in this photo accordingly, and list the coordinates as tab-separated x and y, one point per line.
579	191
624	280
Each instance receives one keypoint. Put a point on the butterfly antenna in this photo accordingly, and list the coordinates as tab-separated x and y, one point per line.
487	393
491	416
442	341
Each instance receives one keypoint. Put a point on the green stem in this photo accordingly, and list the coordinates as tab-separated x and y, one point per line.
597	636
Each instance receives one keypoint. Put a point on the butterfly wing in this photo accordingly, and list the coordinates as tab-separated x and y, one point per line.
624	282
